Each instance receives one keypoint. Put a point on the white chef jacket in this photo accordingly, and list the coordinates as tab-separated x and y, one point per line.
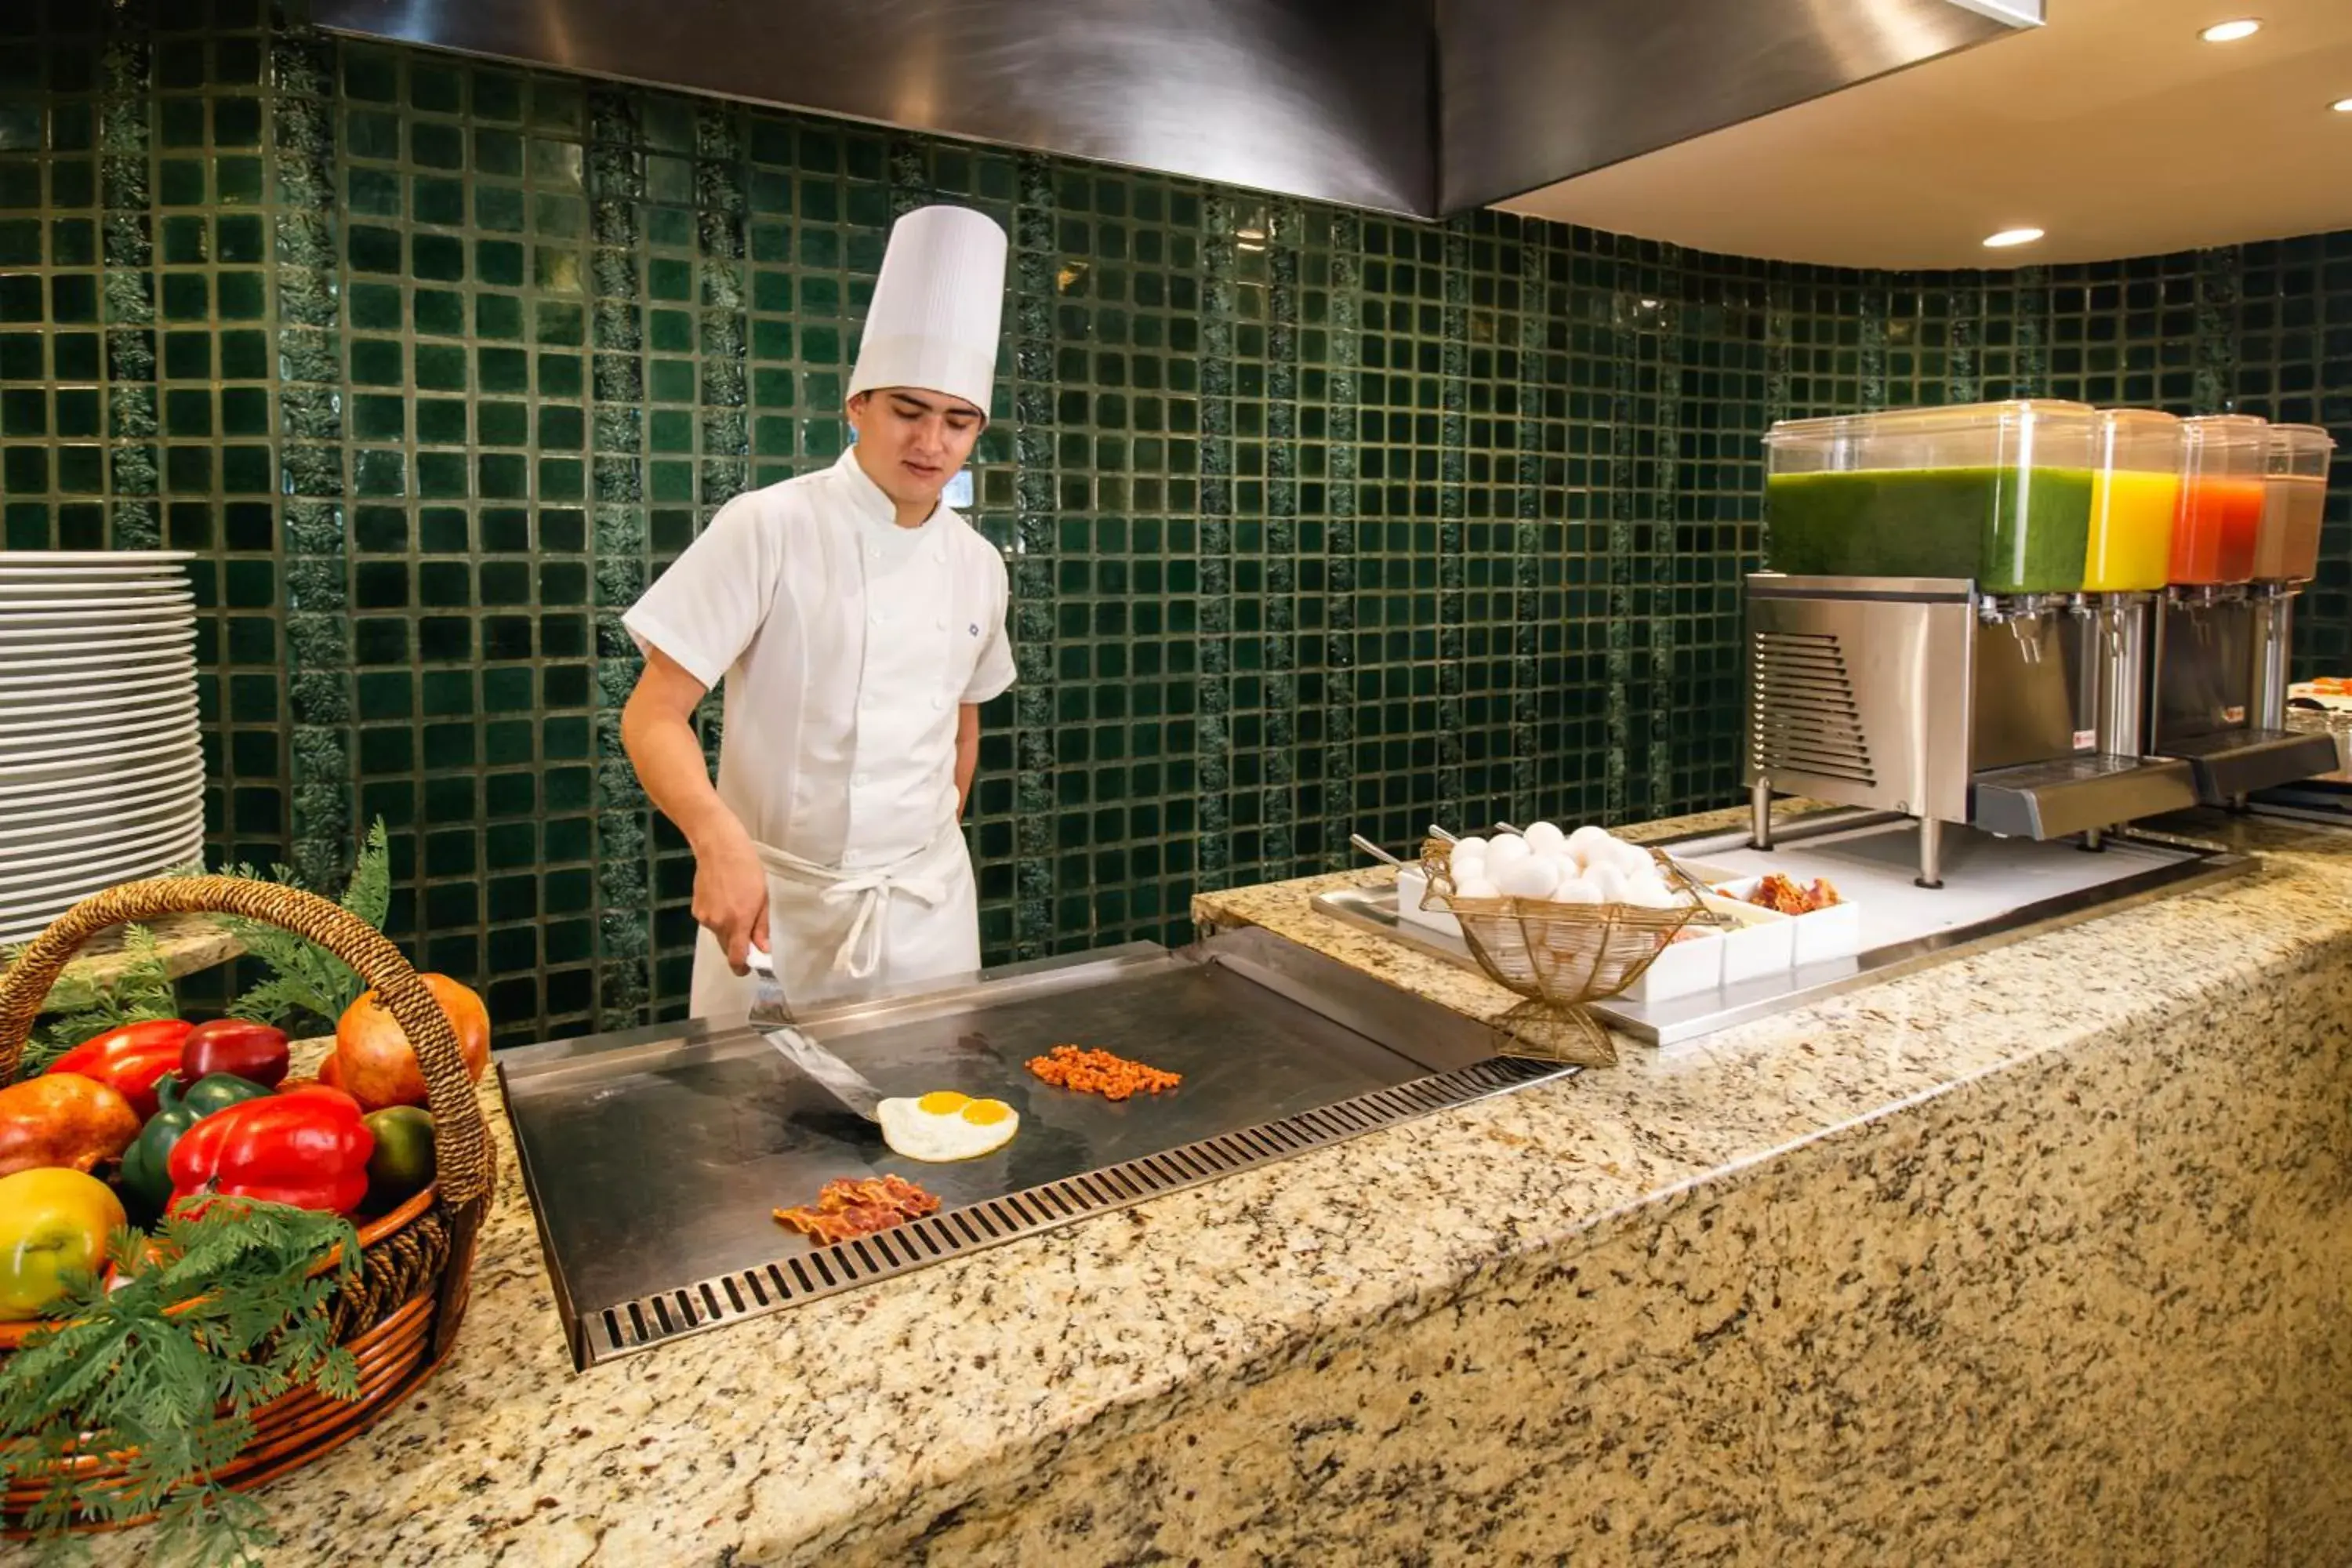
844	646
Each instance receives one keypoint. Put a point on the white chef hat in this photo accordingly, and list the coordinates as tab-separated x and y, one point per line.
937	307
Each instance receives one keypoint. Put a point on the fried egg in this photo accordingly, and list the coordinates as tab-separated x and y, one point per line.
943	1125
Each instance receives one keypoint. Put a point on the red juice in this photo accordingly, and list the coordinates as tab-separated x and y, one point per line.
2213	535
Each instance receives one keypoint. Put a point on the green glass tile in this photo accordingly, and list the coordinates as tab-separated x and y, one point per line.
432	200
504	371
440	313
187	297
438	257
188	412
239	181
375	250
73	297
443	530
378	361
237	122
375	307
500	423
561	428
188	355
379	418
243	355
560	376
498	316
441	475
370	134
506	528
442	367
241	296
498	208
371	74
73	242
441	421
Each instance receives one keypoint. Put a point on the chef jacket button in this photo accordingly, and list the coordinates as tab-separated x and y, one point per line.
940	623
938	702
939	555
879	617
857	779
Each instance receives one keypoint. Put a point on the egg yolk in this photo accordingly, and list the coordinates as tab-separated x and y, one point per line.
943	1102
986	1113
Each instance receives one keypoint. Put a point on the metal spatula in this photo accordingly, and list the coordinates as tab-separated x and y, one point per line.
773	1016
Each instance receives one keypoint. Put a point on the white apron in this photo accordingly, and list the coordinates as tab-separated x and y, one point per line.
848	645
837	935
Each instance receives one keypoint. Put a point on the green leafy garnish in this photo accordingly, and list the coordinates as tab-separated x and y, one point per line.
141	989
304	978
250	1323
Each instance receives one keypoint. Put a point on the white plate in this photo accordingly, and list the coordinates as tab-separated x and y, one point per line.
170	592
104	868
85	695
18	727
46	684
133	768
68	856
98	559
23	823
150	647
67	636
23	913
16	590
71	762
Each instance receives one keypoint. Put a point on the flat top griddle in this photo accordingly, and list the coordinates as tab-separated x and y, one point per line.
656	1157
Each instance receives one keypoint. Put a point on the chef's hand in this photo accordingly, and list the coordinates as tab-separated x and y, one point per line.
730	894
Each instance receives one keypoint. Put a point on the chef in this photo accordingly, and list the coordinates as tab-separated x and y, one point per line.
857	625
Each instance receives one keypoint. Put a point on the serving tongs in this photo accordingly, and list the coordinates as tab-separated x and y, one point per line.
771	1016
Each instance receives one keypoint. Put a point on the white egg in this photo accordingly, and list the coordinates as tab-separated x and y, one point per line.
1533	877
1648	891
1575	891
1587	842
1476	888
1630	858
1504	849
1544	838
1607	882
944	1125
1471	845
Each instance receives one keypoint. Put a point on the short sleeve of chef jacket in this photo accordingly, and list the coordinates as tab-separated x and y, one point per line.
706	609
993	675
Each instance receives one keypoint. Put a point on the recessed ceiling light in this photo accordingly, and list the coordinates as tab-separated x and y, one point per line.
2010	236
2342	106
2231	32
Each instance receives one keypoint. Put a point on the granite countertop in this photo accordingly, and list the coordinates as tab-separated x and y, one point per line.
187	944
845	1430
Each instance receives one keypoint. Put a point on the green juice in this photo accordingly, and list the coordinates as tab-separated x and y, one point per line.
2014	530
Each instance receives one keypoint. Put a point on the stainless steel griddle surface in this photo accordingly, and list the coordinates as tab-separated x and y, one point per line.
659	1163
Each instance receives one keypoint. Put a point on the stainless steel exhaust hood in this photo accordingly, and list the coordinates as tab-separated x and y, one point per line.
1421	107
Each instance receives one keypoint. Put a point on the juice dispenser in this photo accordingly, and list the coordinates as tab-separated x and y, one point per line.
2245	538
1928	639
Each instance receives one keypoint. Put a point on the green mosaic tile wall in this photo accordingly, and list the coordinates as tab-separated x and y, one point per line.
1318	521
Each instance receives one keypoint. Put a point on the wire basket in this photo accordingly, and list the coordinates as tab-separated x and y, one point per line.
1559	957
398	1316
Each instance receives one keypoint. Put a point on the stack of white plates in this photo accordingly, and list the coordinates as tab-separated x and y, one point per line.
101	778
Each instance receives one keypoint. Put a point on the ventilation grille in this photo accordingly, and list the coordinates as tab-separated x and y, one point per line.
826	1270
1805	719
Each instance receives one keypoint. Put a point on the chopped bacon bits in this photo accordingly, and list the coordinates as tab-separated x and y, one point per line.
848	1207
1777	893
1099	1072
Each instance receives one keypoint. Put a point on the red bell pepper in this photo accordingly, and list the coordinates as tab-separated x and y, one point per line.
129	1058
238	1047
307	1147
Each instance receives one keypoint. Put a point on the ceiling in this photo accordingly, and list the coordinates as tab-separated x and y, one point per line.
2114	128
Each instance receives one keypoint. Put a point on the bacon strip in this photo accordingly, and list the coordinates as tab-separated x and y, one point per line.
851	1207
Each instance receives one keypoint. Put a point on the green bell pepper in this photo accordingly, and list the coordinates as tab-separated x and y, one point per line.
147	1163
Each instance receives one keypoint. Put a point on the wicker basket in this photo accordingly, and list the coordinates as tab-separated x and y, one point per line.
398	1316
1558	956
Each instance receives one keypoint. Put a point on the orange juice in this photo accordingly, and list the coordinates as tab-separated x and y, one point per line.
2131	530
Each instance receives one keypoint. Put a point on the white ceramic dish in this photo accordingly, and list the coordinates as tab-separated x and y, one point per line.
16	590
29	830
92	696
1411	883
99	560
1816	938
148	645
29	898
67	856
1684	967
104	763
71	638
1765	942
111	606
38	739
131	771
